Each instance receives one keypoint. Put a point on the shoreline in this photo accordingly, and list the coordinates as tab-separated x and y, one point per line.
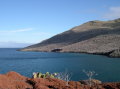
107	54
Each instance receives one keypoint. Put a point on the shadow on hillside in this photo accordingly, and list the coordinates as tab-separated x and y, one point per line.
70	37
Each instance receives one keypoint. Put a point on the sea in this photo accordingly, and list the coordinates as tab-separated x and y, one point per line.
76	64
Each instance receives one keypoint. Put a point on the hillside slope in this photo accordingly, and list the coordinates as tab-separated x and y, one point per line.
96	37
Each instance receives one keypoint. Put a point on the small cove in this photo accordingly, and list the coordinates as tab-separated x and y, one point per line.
26	63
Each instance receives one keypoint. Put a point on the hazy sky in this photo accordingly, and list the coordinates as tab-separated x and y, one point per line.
30	21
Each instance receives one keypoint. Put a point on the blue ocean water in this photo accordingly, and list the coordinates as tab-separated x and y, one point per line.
25	63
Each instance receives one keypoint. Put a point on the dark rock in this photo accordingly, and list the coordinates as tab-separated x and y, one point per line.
56	50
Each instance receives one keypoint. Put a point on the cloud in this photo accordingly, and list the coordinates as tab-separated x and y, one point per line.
15	31
28	35
113	13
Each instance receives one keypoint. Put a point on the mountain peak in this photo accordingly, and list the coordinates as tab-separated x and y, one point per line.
93	23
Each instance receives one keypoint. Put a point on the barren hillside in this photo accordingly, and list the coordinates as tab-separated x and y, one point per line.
96	37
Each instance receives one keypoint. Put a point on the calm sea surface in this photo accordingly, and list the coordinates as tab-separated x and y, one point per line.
25	63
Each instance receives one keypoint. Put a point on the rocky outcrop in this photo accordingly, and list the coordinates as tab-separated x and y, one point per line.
115	53
95	37
13	80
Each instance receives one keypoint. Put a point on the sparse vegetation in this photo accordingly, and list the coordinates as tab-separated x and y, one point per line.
66	76
90	75
46	75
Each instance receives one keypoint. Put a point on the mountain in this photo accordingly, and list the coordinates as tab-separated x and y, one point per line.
13	45
94	37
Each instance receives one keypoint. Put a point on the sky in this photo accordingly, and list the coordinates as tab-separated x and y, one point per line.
31	21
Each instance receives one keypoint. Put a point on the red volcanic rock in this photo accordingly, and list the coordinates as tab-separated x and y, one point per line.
50	83
15	76
111	85
13	80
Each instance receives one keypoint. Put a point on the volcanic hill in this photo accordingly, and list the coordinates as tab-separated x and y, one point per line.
94	37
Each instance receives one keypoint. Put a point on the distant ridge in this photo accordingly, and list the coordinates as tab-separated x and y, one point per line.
95	37
13	45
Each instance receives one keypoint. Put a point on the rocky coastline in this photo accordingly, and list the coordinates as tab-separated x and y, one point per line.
93	37
13	80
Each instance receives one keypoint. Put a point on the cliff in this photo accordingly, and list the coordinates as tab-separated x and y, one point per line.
13	80
95	37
